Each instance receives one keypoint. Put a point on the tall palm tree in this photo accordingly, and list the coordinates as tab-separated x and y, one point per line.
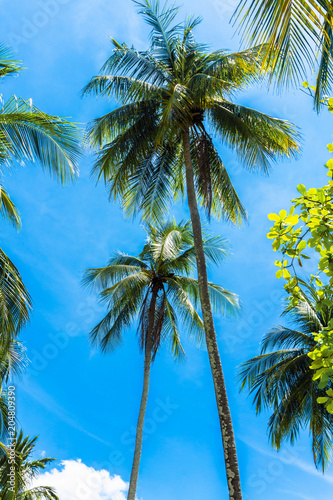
156	289
174	97
280	379
295	36
17	474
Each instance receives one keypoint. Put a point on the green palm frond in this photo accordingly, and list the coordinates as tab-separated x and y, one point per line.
118	268
25	471
188	316
15	301
280	380
38	493
257	137
150	187
324	78
225	202
140	65
291	33
122	87
8	209
32	135
163	35
8	65
169	242
106	129
13	359
172	332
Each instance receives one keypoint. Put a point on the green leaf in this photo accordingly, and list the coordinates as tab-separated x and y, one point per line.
322	400
292	220
323	382
286	274
301	245
329	164
274	217
279	273
301	189
329	408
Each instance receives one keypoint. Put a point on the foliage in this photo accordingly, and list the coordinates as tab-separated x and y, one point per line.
17	470
164	265
307	230
293	35
15	301
27	134
177	83
280	378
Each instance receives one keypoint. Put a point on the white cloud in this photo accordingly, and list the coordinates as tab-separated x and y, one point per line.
77	481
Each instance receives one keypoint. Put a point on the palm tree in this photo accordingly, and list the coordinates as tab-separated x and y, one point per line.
295	36
280	379
16	474
155	288
174	96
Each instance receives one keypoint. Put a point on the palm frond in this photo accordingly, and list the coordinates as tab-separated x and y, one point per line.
288	30
225	201
8	65
170	327
281	380
257	137
8	209
118	268
126	88
15	301
38	493
32	135
163	34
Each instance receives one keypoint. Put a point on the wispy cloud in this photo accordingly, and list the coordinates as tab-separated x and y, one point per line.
45	400
295	462
296	494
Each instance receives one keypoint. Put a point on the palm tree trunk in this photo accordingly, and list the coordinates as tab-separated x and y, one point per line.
146	375
228	438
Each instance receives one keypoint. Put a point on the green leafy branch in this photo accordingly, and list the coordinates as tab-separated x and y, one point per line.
310	229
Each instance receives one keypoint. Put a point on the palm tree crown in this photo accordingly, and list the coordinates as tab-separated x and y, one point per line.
174	85
281	380
129	283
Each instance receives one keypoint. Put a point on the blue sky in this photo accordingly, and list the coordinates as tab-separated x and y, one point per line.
82	404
